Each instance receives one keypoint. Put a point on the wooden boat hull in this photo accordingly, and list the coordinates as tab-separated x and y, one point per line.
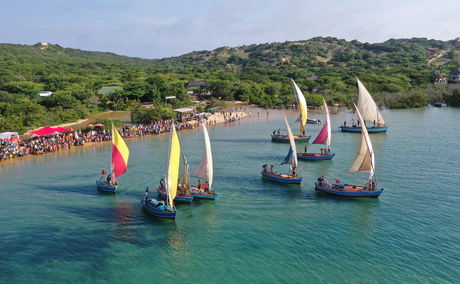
102	186
157	212
203	195
282	179
357	129
285	138
347	191
314	156
183	199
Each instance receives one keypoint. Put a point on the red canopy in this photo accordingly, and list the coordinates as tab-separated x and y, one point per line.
48	130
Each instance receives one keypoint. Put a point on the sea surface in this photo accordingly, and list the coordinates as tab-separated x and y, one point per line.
55	227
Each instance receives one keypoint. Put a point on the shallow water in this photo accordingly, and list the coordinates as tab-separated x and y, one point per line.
56	227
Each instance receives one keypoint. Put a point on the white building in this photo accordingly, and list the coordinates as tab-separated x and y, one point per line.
45	93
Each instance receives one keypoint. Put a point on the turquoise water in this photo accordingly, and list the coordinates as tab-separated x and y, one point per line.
56	227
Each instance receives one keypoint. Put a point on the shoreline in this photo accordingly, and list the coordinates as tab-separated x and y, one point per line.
218	116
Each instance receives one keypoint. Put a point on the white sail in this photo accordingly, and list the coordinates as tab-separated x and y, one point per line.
364	160
293	158
185	178
367	105
205	169
302	107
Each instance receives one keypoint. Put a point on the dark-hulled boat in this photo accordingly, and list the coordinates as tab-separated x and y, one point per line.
364	162
324	137
370	112
291	158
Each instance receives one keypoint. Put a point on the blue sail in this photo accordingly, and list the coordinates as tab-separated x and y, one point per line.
288	157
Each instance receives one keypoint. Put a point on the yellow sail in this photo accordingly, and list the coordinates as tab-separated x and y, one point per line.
173	167
302	107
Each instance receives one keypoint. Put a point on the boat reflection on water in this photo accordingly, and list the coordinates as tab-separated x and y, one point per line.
127	225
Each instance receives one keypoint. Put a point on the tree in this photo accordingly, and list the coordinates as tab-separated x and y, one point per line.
23	87
60	99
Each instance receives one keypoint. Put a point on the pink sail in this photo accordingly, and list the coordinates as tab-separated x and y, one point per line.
322	136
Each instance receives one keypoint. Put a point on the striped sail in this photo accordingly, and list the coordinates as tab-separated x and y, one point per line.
173	166
364	160
367	106
291	157
120	154
302	107
324	136
205	169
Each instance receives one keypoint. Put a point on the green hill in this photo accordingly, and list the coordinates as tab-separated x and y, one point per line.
254	73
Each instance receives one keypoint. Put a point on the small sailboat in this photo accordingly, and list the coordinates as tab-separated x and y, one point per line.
118	166
370	112
278	137
324	137
205	171
184	192
160	208
291	158
364	162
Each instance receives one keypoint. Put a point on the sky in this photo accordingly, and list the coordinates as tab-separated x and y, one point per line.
165	28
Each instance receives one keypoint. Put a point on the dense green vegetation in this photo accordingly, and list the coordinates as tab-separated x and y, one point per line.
399	73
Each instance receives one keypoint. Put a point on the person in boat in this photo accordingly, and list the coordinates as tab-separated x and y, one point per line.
345	123
272	168
147	194
103	173
199	185
109	179
374	122
294	171
337	181
321	180
206	186
265	168
162	183
274	132
305	149
303	132
278	131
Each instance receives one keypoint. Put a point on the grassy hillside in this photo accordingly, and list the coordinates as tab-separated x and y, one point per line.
392	71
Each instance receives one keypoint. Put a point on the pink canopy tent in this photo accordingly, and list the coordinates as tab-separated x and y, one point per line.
48	130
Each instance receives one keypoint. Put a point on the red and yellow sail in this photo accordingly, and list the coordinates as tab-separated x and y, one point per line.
120	153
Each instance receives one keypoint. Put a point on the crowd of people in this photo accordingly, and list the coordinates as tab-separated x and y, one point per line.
56	142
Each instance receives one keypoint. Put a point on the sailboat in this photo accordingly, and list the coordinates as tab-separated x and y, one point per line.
291	159
205	171
324	137
364	162
160	208
184	193
370	112
302	103
118	166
